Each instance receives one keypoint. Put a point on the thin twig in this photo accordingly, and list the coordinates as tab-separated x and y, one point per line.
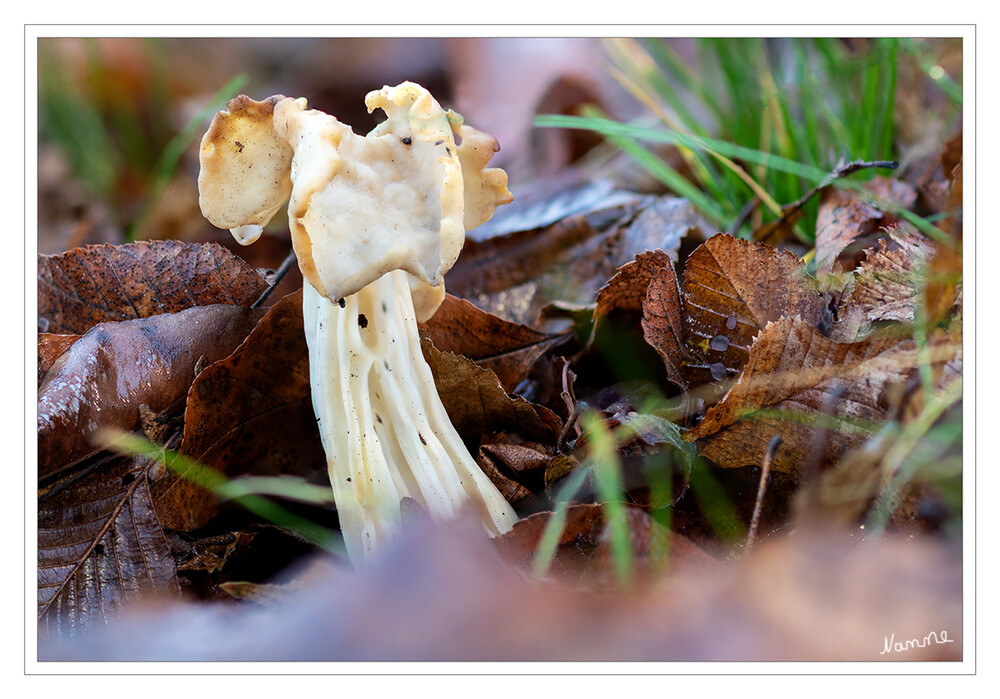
279	274
765	471
562	443
744	214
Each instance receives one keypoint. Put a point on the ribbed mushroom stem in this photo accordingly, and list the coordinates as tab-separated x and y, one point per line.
385	431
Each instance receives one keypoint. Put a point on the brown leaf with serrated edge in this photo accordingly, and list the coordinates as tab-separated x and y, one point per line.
509	349
887	282
663	323
518	275
477	403
98	283
115	367
100	547
626	290
50	347
249	413
790	377
732	289
845	216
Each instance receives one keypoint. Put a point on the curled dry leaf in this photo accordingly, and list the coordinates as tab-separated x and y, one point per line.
663	323
790	377
518	275
115	367
732	289
509	349
250	413
846	216
512	466
477	403
100	283
100	547
886	284
626	290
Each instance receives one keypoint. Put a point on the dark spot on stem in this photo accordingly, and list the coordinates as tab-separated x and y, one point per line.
362	320
422	440
407	141
342	303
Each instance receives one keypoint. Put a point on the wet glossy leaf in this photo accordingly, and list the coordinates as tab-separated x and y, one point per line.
100	548
50	347
116	367
99	283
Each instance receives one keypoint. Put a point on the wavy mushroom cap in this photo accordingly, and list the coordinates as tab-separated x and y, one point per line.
245	168
362	206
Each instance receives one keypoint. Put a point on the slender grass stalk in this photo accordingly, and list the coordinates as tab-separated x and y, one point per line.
240	493
549	542
610	488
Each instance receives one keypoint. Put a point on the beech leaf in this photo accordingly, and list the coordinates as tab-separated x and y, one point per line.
100	547
792	372
477	403
845	217
887	282
509	349
105	376
98	283
732	289
250	413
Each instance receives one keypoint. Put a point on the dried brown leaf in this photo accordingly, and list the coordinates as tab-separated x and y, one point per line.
98	283
887	282
663	323
792	372
518	275
250	413
732	289
845	216
100	547
115	367
477	403
517	470
509	349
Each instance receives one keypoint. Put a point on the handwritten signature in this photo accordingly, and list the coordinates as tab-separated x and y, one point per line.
892	645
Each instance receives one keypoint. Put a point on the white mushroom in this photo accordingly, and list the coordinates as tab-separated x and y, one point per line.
376	222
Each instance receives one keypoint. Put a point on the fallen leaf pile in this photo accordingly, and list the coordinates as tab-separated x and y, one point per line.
708	360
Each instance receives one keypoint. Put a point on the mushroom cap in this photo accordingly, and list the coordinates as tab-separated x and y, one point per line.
362	206
245	168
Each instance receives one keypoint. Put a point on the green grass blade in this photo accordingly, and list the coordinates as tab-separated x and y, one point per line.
549	542
607	471
217	483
